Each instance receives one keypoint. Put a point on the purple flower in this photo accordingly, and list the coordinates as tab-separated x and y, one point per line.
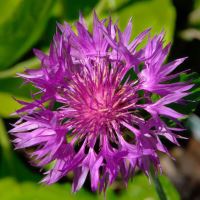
95	112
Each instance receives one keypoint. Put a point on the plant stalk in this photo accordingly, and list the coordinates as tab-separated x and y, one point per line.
158	186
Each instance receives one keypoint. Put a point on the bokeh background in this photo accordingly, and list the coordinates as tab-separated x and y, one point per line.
27	24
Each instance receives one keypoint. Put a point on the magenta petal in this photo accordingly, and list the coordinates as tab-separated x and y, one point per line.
99	104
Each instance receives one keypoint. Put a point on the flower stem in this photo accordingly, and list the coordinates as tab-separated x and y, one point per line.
158	186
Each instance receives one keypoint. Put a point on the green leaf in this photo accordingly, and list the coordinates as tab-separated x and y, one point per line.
30	191
11	86
160	15
141	189
16	87
20	27
71	9
7	10
31	63
8	105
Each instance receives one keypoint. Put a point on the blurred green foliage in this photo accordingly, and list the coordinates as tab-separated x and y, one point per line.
138	189
25	24
21	28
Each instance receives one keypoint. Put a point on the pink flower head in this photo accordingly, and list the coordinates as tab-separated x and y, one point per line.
94	112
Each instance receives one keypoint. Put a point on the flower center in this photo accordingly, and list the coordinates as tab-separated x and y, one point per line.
99	108
98	99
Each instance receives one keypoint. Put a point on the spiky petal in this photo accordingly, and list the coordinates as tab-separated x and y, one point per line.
95	112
